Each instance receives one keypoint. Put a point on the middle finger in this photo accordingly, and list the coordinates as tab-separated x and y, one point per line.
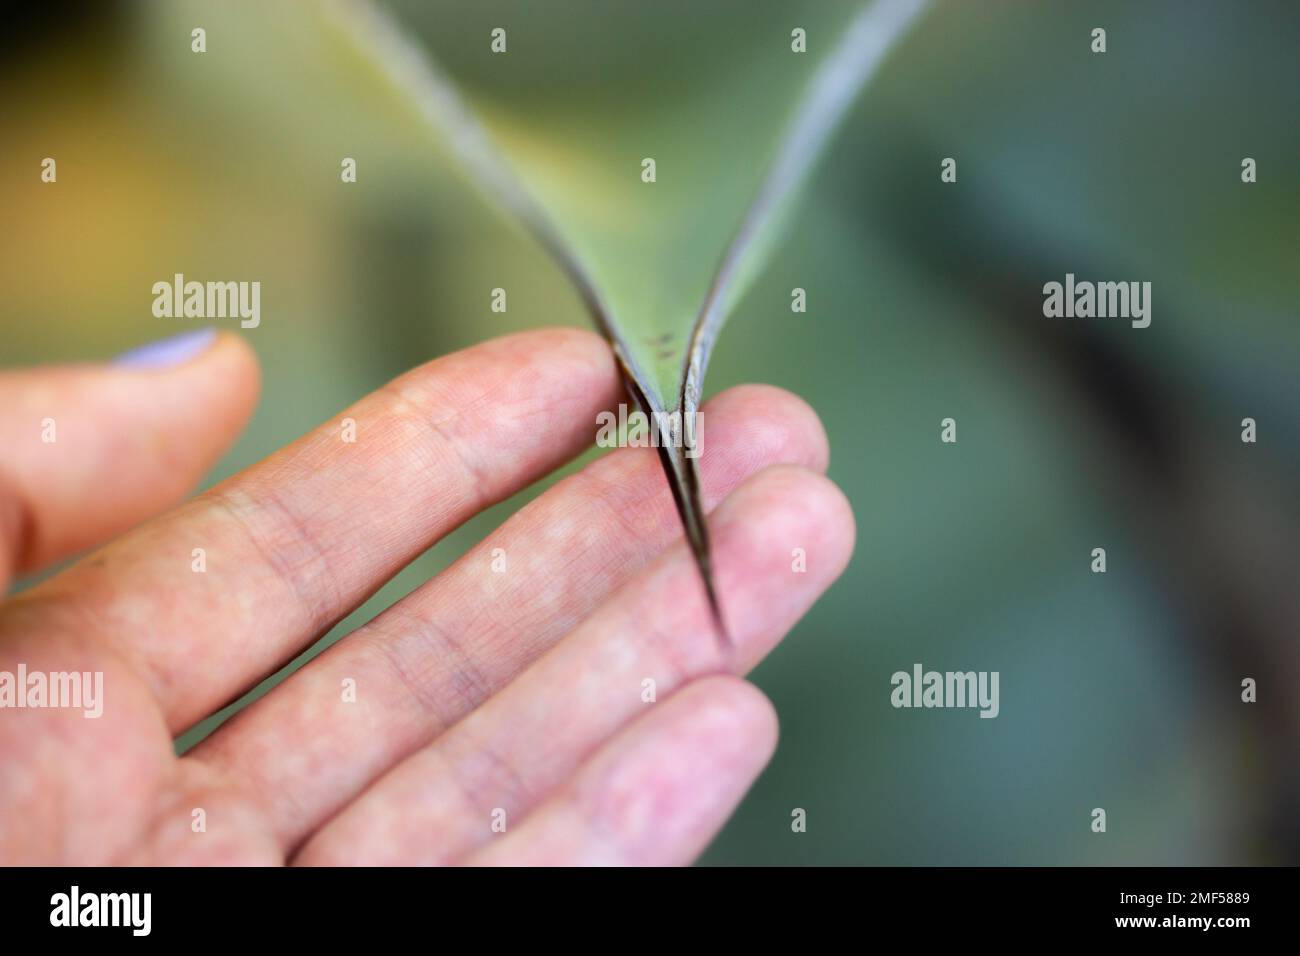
441	651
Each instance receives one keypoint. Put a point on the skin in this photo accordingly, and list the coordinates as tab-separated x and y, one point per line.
479	692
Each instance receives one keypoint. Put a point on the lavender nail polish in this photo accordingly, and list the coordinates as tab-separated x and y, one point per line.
169	351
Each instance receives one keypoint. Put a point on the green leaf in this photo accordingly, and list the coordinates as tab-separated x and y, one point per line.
659	265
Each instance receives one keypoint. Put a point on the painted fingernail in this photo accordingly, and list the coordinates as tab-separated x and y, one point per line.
169	351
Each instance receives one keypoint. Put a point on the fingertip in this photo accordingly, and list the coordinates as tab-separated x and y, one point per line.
581	350
581	342
217	370
566	370
780	540
834	514
189	413
767	425
720	732
736	715
790	502
239	353
236	370
133	436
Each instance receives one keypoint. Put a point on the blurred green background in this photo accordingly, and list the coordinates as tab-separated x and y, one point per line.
1120	690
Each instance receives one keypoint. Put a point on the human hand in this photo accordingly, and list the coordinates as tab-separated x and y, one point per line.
493	715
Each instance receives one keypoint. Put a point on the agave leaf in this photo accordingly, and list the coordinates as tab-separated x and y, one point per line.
662	341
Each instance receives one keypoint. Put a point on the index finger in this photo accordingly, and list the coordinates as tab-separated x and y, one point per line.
208	599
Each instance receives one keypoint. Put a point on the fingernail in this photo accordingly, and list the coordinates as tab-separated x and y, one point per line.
169	351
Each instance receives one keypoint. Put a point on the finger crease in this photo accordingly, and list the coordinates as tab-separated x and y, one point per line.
304	569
